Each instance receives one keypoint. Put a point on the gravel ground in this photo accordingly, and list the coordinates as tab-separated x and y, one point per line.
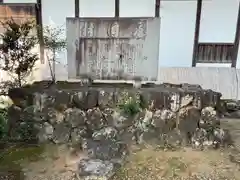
148	163
185	164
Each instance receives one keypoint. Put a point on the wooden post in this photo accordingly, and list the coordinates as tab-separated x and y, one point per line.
197	30
157	8
77	3
236	41
117	8
38	9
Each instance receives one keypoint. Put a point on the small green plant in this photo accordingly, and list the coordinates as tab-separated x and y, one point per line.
54	42
17	56
131	105
3	123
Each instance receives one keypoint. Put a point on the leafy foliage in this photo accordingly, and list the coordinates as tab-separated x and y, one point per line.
131	105
3	123
17	57
54	43
25	132
52	38
131	108
6	85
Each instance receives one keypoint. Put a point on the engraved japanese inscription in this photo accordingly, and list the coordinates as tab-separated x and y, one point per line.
116	49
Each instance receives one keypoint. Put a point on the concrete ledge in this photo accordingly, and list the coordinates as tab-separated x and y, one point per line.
224	80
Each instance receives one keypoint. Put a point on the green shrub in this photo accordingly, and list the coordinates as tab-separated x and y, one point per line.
3	123
131	105
131	108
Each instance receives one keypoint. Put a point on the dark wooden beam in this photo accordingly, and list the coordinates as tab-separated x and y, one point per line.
236	41
157	8
197	31
39	22
77	11
117	4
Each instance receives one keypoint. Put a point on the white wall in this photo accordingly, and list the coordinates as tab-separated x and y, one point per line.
19	1
97	8
213	65
238	58
54	14
176	36
218	21
177	33
177	23
224	80
128	8
56	11
137	8
219	24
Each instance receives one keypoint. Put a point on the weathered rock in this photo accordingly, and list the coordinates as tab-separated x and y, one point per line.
175	102
210	98
171	140
11	174
20	97
186	100
45	132
158	99
24	131
209	114
188	119
203	139
62	100
31	113
142	128
209	118
221	137
200	139
108	115
106	99
108	133
95	119
61	133
234	114
78	134
86	99
230	108
145	137
121	120
147	100
164	120
5	102
93	169
104	144
78	99
75	117
122	96
14	116
197	100
54	116
232	105
21	124
38	99
43	101
105	149
92	98
145	117
191	87
99	114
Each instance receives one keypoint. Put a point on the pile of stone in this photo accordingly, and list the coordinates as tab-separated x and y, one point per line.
103	123
230	109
